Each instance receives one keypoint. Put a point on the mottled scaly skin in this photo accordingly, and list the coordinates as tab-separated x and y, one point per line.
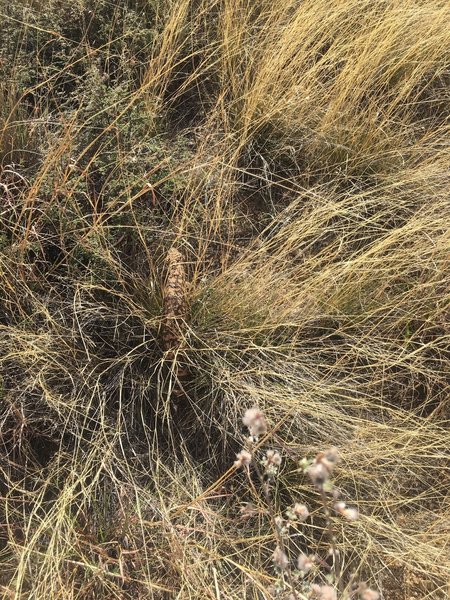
175	313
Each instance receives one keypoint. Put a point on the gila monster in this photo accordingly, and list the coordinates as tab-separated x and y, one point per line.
175	314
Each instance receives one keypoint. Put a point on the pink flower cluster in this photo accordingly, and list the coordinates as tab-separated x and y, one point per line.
256	422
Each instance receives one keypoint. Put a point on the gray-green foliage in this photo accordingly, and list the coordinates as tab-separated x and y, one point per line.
76	116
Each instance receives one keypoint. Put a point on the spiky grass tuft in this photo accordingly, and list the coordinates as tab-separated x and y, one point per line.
295	154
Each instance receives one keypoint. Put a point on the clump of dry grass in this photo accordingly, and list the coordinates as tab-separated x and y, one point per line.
295	154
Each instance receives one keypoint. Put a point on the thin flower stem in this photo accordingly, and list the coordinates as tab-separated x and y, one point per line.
271	509
331	535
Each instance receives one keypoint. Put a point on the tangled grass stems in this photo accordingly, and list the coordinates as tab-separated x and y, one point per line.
295	153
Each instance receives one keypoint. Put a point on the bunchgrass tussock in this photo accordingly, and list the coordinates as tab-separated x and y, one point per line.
224	299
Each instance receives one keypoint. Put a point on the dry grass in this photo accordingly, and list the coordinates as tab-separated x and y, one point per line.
296	153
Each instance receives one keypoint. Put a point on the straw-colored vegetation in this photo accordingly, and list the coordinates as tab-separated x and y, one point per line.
295	153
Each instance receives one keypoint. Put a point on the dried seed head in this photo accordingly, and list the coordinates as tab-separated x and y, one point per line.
301	512
369	594
248	510
318	473
271	463
273	458
279	522
304	564
255	420
351	514
243	458
280	559
272	591
330	458
323	592
365	593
